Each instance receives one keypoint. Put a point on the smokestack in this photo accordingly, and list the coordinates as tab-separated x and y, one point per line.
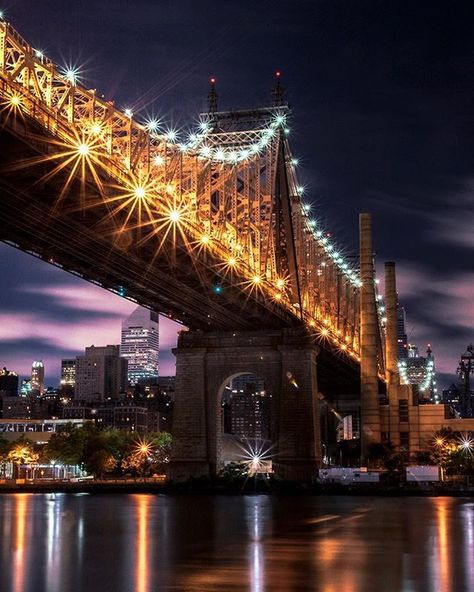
391	337
369	400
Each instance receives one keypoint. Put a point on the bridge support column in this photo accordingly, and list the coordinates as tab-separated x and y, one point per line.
369	400
205	362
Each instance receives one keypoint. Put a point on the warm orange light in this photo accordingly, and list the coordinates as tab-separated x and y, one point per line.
231	261
256	279
139	192
96	128
15	100
280	283
174	216
324	332
205	239
83	149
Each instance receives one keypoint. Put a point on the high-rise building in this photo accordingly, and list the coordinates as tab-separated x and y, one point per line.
37	378
100	374
452	396
466	373
25	387
140	345
419	371
249	408
68	376
8	383
402	338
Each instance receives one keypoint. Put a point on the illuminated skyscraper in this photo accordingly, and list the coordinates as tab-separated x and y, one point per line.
37	378
419	371
140	345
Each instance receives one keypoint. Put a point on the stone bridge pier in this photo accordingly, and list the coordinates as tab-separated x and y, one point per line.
205	362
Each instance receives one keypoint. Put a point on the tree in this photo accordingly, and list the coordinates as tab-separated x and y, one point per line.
453	452
22	452
147	455
67	446
99	462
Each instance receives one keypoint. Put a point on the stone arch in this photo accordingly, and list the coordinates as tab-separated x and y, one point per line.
204	363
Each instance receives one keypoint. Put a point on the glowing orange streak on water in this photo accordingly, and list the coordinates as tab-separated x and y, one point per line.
142	543
22	501
443	584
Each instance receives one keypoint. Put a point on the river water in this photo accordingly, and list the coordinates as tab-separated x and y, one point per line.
148	543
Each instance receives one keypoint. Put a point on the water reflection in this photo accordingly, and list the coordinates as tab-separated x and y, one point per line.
20	549
469	545
147	543
256	550
442	580
53	542
142	543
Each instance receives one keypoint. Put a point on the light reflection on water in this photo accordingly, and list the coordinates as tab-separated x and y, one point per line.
146	543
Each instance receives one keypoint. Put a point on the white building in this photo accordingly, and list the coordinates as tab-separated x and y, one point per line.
37	377
140	344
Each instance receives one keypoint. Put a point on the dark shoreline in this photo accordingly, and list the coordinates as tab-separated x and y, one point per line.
248	489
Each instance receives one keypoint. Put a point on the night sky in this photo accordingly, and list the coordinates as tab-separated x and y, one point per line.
382	96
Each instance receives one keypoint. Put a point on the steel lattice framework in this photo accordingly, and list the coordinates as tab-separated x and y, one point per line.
229	195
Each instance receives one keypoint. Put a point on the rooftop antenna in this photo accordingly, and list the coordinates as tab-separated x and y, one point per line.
212	96
278	91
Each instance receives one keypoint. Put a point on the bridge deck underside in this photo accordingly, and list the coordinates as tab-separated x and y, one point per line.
173	281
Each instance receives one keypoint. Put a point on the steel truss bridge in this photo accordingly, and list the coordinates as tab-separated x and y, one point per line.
212	231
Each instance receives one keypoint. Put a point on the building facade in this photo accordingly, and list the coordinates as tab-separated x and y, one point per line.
140	345
101	374
249	408
68	376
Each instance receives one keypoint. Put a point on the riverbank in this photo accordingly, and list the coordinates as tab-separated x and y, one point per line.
249	487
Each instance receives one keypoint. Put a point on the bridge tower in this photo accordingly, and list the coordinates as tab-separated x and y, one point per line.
206	361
